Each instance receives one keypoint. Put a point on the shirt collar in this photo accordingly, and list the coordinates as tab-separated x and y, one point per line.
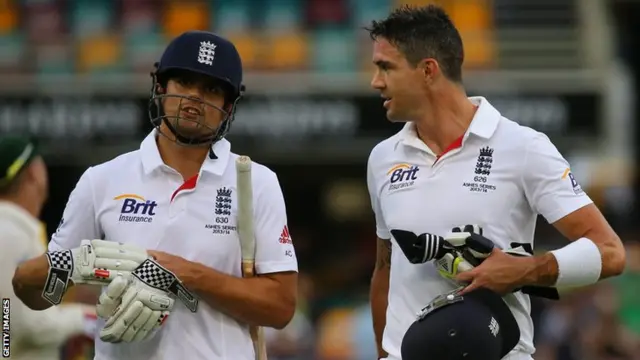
484	123
151	159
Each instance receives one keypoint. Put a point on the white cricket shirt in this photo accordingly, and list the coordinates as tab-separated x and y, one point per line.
137	199
499	175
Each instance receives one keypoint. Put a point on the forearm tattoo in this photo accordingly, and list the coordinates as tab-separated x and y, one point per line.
383	258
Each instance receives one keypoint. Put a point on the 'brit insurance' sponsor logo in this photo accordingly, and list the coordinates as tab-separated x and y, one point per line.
136	209
577	189
402	176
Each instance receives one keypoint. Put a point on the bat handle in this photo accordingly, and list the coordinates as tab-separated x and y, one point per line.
257	336
261	345
248	268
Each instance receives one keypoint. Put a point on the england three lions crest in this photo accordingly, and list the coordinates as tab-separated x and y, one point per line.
223	202
223	221
485	159
482	172
206	53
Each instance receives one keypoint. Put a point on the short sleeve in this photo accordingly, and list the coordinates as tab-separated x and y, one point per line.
381	227
274	247
550	187
79	217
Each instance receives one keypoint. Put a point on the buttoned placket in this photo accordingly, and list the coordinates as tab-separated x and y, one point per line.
434	162
178	202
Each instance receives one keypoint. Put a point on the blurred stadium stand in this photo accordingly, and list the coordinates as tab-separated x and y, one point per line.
75	74
547	63
322	36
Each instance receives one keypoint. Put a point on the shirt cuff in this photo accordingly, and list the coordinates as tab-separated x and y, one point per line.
567	208
276	266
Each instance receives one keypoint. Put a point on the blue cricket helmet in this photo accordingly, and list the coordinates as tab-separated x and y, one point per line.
475	326
201	53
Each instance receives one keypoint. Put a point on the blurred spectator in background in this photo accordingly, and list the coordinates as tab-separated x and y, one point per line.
604	337
628	289
23	192
345	333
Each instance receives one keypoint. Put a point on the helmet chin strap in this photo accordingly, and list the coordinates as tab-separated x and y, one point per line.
185	140
157	117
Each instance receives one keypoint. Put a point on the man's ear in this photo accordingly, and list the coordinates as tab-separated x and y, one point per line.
429	68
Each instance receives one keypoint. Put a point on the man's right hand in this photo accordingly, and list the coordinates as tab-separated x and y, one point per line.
467	248
94	262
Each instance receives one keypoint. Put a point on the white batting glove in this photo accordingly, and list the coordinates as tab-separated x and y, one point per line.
466	248
133	310
458	238
154	275
95	262
450	265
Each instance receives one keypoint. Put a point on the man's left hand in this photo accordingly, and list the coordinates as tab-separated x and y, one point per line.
500	272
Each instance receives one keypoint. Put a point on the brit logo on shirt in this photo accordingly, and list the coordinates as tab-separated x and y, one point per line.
577	189
222	212
402	176
482	172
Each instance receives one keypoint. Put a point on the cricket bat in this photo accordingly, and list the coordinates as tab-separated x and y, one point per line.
246	233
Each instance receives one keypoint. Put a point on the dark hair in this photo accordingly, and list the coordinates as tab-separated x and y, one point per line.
423	32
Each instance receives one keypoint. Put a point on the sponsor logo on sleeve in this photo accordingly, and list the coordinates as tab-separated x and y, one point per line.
577	189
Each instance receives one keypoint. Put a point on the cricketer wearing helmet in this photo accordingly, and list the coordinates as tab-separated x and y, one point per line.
172	205
175	110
